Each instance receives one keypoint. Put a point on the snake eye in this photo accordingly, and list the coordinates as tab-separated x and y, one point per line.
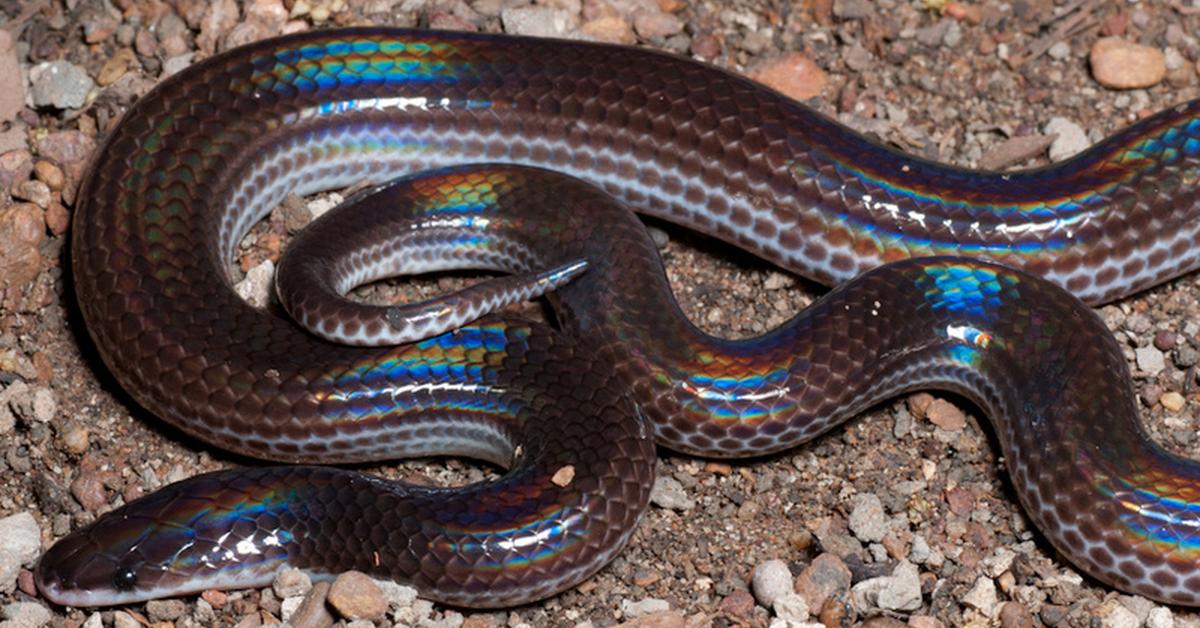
124	579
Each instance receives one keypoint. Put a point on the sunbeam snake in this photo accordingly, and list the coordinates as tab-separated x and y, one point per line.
574	413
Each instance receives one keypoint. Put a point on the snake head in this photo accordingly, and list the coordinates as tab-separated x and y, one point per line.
191	536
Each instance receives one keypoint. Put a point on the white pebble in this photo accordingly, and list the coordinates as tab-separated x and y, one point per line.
1160	617
256	287
1070	141
791	607
397	595
771	580
324	203
288	607
1059	51
20	542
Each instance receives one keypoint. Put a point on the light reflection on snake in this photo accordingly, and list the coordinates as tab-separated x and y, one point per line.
574	415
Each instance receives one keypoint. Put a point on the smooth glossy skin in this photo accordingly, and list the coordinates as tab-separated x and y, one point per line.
209	151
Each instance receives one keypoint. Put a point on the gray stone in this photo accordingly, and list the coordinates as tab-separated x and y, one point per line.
25	615
1059	51
165	610
644	607
867	520
59	84
1150	360
668	493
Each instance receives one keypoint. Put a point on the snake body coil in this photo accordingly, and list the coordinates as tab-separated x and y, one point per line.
212	149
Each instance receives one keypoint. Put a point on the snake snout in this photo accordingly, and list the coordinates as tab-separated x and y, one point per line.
75	573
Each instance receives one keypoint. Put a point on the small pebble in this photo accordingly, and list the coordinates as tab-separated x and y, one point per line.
36	192
537	21
25	615
661	619
257	285
12	99
656	24
946	415
646	577
1014	151
1120	64
739	603
608	28
924	621
355	596
982	596
669	493
22	231
309	611
75	438
20	543
397	595
1160	617
644	607
45	405
1070	141
215	598
57	218
1015	615
1059	51
165	610
59	84
1112	614
1149	360
291	582
852	9
204	614
793	75
771	581
177	63
827	576
122	619
1172	401
900	591
71	150
868	522
1164	339
791	607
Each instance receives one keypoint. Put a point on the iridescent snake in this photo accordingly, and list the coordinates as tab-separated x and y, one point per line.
573	412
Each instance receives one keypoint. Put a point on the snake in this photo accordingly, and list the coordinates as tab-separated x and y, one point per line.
525	156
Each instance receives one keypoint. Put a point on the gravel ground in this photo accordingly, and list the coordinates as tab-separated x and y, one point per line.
902	517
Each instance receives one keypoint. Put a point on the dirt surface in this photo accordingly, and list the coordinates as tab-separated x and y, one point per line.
909	481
